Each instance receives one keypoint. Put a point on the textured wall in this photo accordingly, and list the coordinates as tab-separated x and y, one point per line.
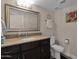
66	31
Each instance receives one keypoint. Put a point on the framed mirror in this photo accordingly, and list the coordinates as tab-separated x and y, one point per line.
19	19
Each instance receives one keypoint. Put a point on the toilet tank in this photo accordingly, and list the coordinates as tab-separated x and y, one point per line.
52	40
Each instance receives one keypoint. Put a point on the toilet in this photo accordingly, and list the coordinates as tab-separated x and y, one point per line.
57	48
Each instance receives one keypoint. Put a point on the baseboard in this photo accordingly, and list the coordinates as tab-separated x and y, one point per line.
71	56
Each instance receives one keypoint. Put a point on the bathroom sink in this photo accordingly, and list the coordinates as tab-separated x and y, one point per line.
27	39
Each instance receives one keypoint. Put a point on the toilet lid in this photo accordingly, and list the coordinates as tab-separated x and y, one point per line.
58	48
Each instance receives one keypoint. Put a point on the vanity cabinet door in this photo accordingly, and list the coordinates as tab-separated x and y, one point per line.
32	54
11	52
31	50
45	49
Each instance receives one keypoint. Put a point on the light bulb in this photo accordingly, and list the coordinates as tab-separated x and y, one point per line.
26	3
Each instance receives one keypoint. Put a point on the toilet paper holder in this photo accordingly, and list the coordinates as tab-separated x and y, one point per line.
67	41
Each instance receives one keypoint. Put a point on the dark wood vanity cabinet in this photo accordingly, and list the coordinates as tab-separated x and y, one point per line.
32	50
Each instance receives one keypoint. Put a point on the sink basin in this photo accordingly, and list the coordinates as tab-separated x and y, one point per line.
27	39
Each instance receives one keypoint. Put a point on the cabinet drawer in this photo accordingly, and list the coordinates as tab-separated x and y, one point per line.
45	42
30	45
15	56
10	50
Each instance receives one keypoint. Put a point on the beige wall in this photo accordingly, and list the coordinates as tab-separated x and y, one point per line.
66	31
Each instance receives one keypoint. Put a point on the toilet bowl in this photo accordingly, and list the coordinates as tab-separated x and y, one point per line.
57	48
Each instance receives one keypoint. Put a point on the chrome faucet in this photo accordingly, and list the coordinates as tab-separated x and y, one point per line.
23	34
26	34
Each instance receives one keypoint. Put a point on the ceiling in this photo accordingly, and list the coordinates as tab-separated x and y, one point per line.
54	4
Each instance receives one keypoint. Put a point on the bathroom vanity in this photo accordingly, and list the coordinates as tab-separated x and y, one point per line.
36	48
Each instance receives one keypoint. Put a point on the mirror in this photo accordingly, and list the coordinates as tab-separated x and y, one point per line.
19	19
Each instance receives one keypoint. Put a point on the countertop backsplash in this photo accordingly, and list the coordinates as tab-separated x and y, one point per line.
21	34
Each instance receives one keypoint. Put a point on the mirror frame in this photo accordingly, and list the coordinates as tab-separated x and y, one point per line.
7	18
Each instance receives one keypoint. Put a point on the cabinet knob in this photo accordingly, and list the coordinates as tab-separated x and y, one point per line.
42	50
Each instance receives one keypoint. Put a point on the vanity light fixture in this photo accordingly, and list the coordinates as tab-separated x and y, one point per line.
25	3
